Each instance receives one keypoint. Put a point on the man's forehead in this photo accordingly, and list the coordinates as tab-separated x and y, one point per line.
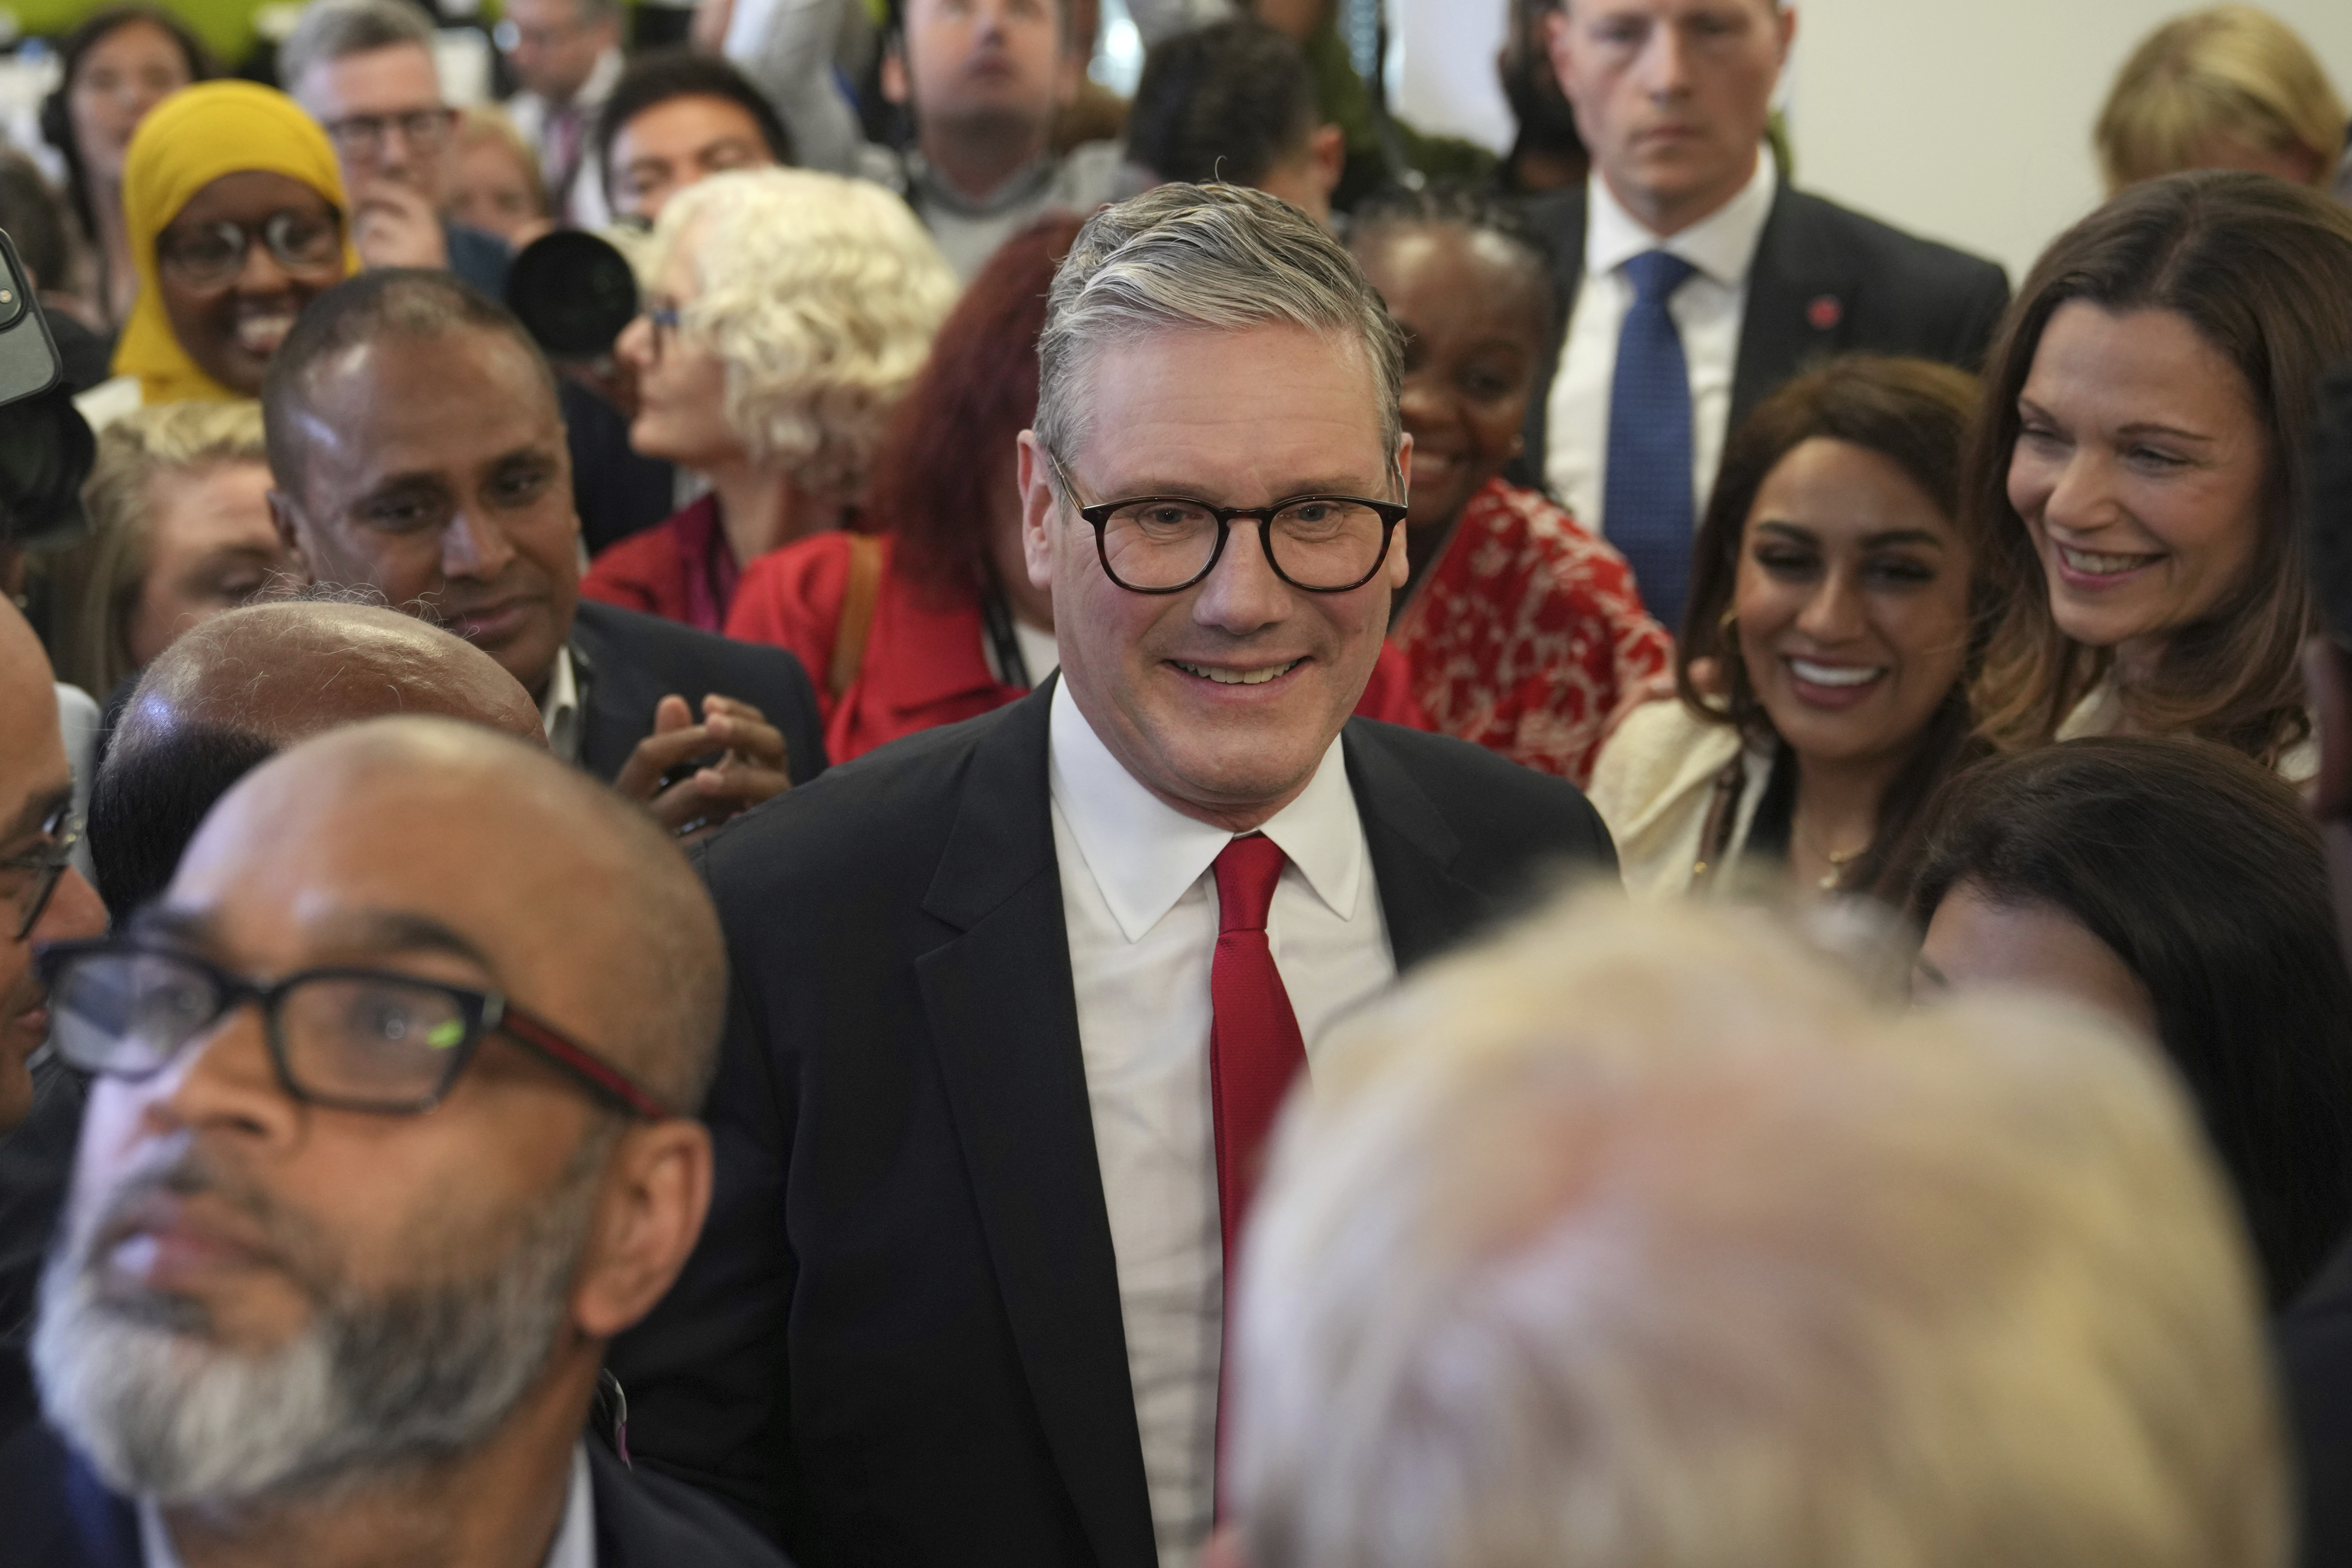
485	401
377	77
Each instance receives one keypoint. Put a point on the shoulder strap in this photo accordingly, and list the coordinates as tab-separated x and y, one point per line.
856	613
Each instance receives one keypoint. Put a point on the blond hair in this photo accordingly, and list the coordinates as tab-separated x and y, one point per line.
821	294
1639	1238
2232	72
96	585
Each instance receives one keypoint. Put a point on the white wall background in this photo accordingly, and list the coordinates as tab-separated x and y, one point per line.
1966	120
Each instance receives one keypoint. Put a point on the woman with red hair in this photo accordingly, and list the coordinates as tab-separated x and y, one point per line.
935	619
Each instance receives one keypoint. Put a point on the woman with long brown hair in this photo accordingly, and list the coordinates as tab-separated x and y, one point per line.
2143	439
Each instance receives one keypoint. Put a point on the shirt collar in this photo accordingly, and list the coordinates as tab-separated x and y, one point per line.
1022	184
561	712
1145	855
576	1537
1722	244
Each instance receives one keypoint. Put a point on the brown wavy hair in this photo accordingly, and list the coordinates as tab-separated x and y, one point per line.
2263	271
1916	414
952	436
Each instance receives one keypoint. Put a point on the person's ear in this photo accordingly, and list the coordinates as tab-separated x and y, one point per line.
649	1214
1560	44
286	517
1785	21
1400	558
896	87
1069	74
1328	148
2328	687
1030	473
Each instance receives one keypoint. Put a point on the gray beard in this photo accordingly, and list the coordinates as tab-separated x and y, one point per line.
370	1385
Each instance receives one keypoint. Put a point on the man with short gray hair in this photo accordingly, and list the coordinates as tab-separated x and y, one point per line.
1641	1240
1018	998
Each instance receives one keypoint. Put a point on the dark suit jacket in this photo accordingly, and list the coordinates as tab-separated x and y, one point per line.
54	1512
1825	281
900	1340
632	661
2313	1340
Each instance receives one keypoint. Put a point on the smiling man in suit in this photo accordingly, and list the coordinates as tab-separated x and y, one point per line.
1017	998
1699	281
418	450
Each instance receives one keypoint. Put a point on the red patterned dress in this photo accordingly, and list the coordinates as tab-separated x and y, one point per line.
1527	633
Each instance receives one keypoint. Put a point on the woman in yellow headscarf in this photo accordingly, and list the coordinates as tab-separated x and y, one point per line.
237	217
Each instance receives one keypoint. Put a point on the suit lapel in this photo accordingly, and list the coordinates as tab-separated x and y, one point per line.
1561	220
1800	299
1427	908
616	708
1003	1019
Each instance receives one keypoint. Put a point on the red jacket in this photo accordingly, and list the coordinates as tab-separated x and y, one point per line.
924	664
681	570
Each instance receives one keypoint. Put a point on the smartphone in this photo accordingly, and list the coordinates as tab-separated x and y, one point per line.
29	362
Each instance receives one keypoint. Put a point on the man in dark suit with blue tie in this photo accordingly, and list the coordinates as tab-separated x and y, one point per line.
1016	999
1696	280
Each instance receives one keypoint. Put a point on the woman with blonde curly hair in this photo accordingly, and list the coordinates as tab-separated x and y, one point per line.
786	314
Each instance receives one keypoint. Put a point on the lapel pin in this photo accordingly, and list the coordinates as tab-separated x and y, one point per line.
1824	312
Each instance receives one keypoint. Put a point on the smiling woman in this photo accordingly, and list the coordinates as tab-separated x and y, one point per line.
2136	463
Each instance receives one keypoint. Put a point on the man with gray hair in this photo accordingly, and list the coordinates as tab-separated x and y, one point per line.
364	69
1017	998
1639	1241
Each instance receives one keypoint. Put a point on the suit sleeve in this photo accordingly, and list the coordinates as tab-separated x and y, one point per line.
1979	317
706	1374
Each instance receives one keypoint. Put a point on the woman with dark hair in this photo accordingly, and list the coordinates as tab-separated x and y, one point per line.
118	63
2145	436
1524	632
2179	886
1834	625
934	619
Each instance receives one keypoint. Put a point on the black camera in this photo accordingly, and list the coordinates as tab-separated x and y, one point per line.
45	448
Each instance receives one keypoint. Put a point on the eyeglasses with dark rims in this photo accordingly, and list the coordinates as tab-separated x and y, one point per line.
204	255
345	1037
1164	544
33	877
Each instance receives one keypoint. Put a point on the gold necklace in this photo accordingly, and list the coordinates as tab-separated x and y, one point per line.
1838	859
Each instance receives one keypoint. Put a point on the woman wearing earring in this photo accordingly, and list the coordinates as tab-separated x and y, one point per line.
1837	612
1523	632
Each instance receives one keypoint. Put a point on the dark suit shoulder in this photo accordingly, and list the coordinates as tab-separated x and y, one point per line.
669	645
54	1511
1493	804
647	1521
1887	255
636	660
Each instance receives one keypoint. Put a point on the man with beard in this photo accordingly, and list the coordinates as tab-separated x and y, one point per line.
384	1146
418	450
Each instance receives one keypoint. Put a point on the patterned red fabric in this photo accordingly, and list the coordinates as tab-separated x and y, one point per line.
924	661
1527	633
681	570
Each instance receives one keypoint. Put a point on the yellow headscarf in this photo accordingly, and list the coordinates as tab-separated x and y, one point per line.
192	139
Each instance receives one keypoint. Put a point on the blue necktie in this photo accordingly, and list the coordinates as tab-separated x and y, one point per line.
1647	509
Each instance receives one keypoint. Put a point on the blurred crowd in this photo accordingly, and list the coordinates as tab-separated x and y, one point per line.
811	796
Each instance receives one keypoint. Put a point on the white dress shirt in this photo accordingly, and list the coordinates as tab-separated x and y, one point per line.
1140	905
561	712
1707	309
575	1545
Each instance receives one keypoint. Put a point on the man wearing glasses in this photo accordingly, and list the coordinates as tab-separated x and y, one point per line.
386	1141
364	69
1018	998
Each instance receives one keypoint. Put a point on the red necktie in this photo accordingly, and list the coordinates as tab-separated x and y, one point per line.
1254	1051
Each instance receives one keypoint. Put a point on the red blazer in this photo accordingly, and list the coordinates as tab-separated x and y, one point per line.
923	662
681	570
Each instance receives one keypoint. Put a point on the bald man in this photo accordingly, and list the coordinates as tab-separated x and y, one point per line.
386	1141
246	685
42	899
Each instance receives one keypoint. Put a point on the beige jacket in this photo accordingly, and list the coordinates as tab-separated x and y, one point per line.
1653	786
2101	711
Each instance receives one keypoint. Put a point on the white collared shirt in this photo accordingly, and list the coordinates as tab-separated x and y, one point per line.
575	1545
561	712
1707	309
1140	905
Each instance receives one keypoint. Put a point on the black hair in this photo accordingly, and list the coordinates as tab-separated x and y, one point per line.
2199	868
2328	526
1451	204
658	76
57	115
393	301
1229	101
150	798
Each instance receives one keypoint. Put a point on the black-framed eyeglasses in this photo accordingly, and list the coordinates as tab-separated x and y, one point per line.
347	1038
43	868
360	136
306	244
1164	544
